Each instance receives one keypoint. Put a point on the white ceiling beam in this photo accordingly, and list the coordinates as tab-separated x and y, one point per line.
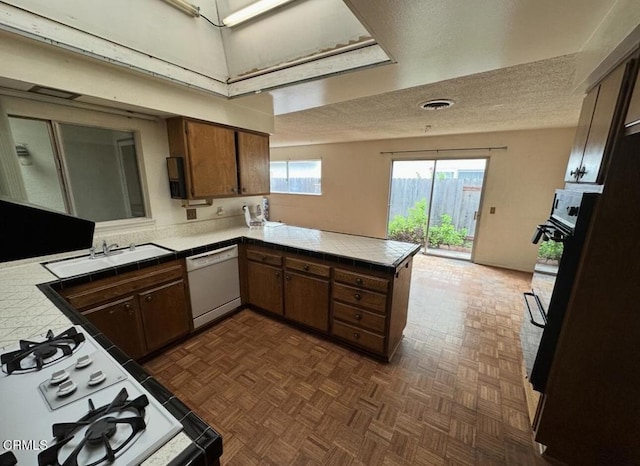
322	67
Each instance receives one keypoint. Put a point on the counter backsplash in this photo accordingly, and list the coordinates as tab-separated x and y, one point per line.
144	235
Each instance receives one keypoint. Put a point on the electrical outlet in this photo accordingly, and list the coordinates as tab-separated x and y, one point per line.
191	214
492	210
220	211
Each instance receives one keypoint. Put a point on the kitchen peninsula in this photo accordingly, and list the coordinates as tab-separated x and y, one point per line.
25	312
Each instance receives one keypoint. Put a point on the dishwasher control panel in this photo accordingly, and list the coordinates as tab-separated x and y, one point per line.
212	257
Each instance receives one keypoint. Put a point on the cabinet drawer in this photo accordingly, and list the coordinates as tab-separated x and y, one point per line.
358	297
359	337
361	280
264	257
308	267
92	293
358	317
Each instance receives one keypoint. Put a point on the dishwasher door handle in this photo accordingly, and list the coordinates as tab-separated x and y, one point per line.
209	258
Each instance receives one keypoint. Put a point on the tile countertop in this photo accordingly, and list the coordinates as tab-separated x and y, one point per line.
383	253
26	312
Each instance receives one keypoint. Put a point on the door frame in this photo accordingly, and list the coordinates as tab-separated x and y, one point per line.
486	157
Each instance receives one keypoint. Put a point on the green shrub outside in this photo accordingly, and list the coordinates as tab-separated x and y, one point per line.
412	228
550	250
446	233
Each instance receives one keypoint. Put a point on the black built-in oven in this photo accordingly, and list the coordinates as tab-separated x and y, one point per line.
546	303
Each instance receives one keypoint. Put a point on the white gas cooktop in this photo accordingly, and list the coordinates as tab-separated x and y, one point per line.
70	409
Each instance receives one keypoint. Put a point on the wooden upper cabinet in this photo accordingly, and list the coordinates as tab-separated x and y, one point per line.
219	161
597	128
582	133
212	160
253	163
602	126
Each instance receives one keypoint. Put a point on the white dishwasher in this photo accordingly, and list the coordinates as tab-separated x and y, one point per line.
214	284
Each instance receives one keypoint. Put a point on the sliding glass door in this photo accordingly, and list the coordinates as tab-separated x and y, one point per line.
436	203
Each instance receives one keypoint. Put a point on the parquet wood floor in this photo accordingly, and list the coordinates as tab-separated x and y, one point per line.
452	394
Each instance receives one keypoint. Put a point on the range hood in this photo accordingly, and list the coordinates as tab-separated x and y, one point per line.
32	231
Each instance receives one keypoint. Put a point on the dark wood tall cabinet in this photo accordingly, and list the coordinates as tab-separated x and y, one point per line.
599	120
589	413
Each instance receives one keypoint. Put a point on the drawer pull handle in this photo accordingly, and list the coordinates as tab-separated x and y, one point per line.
277	274
357	296
358	316
287	277
306	267
359	281
112	311
127	306
264	258
148	298
356	335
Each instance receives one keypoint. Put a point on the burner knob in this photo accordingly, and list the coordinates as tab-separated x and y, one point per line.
66	388
58	377
83	361
96	378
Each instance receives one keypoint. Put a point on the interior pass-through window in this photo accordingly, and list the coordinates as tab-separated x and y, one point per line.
85	171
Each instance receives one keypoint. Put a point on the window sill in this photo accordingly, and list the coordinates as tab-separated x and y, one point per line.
297	194
122	226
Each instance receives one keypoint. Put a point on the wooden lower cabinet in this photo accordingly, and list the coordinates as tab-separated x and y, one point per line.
139	311
164	314
306	300
359	317
358	336
363	308
120	322
265	287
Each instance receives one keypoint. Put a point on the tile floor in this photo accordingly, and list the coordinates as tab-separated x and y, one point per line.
451	395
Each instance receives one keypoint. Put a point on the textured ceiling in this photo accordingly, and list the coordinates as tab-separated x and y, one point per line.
529	96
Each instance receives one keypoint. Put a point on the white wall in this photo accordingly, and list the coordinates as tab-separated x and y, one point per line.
520	184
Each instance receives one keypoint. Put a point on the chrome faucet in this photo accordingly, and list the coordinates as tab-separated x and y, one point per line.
106	250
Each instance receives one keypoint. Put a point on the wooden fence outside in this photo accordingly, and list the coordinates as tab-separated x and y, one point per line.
457	197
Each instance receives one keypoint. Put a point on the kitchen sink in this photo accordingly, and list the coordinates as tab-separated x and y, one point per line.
85	264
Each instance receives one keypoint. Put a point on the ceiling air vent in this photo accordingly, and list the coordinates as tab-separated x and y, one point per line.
436	104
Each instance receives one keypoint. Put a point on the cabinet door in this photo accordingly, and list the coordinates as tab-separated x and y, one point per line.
253	161
265	286
582	133
120	322
164	314
306	300
212	160
601	125
633	114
